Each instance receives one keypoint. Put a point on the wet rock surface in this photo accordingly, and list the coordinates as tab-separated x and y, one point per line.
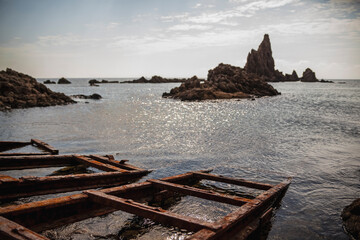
156	79
351	218
18	90
223	82
63	81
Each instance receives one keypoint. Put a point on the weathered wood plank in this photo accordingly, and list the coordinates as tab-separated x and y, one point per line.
250	212
38	161
56	212
31	186
97	164
201	193
10	230
45	146
8	145
109	159
237	181
156	214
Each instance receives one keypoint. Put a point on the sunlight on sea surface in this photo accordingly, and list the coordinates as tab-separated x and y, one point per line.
310	132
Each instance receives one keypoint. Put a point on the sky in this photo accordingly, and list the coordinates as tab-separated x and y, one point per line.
176	38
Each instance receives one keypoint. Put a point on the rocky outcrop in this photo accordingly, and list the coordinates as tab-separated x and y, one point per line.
94	82
156	79
49	82
309	76
223	82
93	96
18	90
291	78
63	81
261	62
351	218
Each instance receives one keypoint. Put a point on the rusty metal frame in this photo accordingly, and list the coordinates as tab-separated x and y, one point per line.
251	214
8	145
116	173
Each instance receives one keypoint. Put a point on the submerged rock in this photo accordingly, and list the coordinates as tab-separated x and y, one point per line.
18	90
223	82
63	81
93	96
309	76
351	218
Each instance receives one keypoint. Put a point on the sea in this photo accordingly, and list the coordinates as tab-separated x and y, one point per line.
311	132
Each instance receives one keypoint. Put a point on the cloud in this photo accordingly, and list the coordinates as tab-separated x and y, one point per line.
188	27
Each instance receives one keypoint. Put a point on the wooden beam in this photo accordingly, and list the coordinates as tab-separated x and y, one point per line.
10	230
45	146
250	212
97	164
237	181
201	193
8	145
56	212
156	214
109	159
22	154
31	186
38	161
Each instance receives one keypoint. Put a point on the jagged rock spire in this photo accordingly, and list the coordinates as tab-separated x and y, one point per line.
261	61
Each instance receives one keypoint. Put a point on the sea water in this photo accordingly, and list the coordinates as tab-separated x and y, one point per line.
310	132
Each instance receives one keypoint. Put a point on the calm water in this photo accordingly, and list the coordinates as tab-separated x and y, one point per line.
310	132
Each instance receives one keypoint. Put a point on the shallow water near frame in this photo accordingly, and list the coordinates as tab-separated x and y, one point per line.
310	132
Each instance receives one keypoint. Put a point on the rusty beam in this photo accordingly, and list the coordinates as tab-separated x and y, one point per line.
8	145
237	181
38	161
206	194
45	146
51	213
109	159
156	214
10	230
31	186
97	164
234	222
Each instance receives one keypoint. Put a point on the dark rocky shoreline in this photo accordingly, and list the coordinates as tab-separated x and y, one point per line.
18	90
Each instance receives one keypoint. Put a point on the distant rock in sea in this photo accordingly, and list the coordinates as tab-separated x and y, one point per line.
261	62
156	79
351	218
63	81
18	90
309	76
291	78
93	96
49	82
223	82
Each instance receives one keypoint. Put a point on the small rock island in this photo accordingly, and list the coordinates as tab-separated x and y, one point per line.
227	81
18	90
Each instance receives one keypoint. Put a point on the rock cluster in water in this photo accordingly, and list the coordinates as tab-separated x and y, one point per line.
223	82
63	81
351	218
94	96
226	81
156	79
18	90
